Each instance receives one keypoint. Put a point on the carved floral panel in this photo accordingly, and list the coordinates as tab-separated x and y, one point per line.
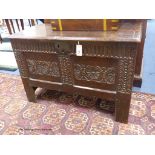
95	73
39	67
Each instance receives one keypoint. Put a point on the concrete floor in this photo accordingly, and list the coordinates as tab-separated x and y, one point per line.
148	85
9	56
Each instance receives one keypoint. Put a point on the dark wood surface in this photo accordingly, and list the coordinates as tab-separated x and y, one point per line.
139	57
11	27
83	24
8	26
127	33
48	59
19	23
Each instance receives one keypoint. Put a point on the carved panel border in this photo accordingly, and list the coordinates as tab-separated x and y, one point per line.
126	74
66	69
21	65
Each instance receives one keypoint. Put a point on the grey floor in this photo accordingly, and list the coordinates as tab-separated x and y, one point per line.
148	76
148	84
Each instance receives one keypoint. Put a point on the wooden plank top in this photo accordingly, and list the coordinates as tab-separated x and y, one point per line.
128	32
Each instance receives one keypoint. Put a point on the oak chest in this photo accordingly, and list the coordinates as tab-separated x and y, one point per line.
48	59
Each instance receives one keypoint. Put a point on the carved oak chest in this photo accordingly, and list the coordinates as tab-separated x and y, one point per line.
48	59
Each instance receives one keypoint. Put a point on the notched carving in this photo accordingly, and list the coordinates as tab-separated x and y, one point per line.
110	50
21	65
33	46
126	73
66	69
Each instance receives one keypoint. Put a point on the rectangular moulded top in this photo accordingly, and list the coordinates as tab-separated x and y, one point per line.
128	32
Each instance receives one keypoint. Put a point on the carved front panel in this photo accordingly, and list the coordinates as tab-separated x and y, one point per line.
39	67
95	73
100	73
43	66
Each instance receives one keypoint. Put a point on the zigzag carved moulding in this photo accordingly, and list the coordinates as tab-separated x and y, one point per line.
111	50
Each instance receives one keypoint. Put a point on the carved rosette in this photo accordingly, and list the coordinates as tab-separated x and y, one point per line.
95	73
